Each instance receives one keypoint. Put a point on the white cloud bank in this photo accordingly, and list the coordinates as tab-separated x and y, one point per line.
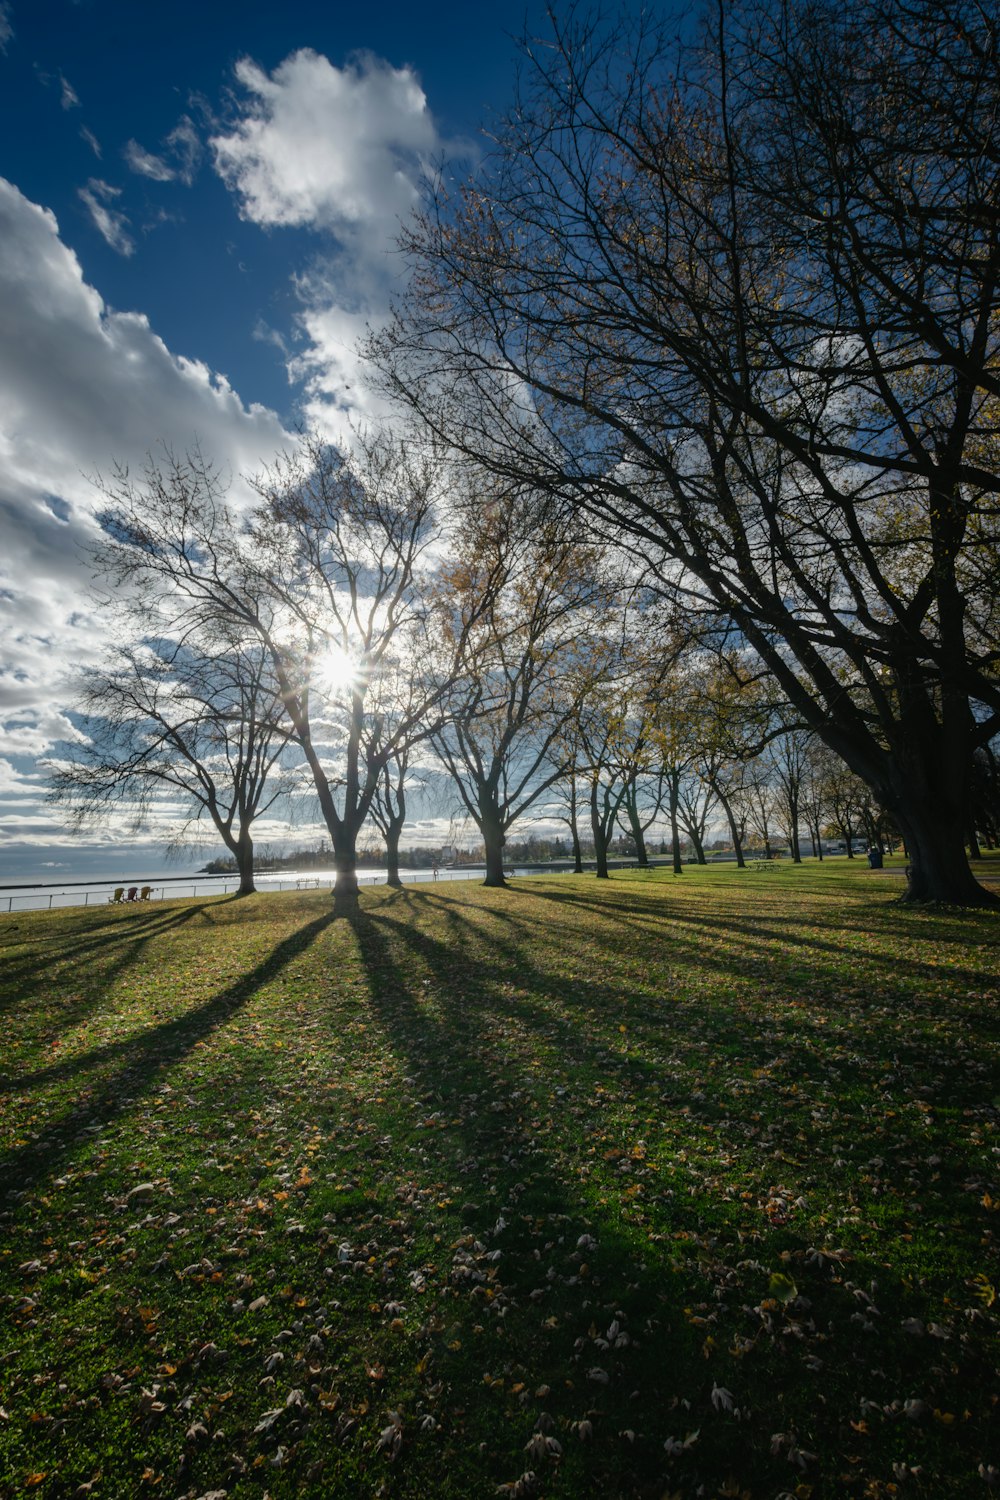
80	387
345	152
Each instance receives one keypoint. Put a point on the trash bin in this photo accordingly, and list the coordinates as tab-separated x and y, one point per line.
875	859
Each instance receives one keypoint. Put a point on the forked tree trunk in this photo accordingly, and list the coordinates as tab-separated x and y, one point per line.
699	848
734	830
599	834
635	825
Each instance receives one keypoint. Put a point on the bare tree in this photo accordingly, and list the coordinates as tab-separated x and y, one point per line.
694	808
515	599
600	718
189	718
740	308
787	762
324	576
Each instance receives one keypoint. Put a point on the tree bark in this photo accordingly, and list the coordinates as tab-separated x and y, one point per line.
939	868
699	848
242	850
577	850
734	831
600	838
574	829
393	829
635	825
345	860
493	842
675	836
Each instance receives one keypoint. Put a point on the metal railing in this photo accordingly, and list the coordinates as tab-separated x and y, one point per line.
103	893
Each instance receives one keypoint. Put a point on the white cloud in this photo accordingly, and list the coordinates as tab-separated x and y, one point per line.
332	148
92	141
177	163
344	152
80	386
70	99
184	145
6	26
112	225
146	164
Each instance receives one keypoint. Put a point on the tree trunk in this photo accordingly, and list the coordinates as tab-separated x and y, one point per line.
493	841
345	862
393	829
699	848
675	836
635	825
734	831
574	829
974	850
600	838
793	832
577	851
243	851
845	829
939	867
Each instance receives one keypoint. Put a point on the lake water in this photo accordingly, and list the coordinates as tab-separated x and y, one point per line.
16	897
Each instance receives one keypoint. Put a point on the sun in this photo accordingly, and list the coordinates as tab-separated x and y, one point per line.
337	670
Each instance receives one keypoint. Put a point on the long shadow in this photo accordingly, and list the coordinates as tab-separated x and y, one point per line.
141	1060
131	934
581	998
780	929
450	1058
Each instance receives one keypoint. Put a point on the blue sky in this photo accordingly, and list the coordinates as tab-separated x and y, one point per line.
198	205
109	75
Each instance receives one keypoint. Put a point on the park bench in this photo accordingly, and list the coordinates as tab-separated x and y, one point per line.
763	864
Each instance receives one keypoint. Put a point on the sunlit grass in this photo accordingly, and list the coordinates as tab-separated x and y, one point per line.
650	1186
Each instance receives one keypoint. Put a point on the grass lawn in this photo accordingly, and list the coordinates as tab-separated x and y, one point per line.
651	1187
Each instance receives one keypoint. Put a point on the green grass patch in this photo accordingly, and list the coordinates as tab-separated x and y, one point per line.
648	1187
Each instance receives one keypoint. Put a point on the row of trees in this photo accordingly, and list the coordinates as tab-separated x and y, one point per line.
340	642
325	646
733	305
716	331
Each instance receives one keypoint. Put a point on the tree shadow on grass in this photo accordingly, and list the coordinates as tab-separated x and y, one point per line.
766	928
138	1061
117	939
442	1034
579	1018
514	1171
